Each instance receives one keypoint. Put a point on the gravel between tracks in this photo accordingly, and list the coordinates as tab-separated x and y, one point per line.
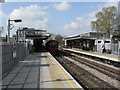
102	76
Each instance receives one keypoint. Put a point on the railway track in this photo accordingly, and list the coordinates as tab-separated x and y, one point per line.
87	71
112	72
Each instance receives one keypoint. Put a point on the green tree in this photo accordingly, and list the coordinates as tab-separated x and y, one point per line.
59	38
106	20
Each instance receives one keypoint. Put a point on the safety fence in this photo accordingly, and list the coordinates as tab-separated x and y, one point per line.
10	55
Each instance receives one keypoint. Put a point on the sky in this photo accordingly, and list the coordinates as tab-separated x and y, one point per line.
65	18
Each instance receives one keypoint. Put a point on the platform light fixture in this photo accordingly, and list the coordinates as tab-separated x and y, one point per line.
9	27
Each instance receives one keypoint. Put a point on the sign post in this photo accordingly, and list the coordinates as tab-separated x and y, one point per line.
14	50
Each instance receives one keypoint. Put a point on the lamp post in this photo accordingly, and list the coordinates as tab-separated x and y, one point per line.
16	20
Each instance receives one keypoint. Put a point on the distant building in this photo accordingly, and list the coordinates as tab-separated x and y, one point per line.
28	34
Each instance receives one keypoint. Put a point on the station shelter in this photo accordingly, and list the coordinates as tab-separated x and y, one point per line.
84	41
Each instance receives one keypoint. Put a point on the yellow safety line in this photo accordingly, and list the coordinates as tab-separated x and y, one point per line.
65	75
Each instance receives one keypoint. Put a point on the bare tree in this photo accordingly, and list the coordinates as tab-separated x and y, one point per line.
1	29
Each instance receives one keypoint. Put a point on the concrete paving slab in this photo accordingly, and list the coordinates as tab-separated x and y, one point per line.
39	71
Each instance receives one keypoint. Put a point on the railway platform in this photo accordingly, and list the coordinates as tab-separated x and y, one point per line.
110	57
39	70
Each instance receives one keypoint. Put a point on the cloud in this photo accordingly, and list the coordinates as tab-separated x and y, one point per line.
111	3
3	18
61	6
80	24
73	28
32	11
32	16
72	25
3	21
79	18
2	14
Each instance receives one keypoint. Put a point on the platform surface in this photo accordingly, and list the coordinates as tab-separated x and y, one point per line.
40	70
111	57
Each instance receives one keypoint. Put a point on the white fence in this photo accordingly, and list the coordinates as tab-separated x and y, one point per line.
100	43
114	48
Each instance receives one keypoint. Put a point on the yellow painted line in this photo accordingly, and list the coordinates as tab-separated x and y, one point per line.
64	75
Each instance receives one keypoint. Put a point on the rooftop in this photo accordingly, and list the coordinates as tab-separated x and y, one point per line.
89	35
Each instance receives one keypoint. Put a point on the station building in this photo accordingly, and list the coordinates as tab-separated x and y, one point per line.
33	36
